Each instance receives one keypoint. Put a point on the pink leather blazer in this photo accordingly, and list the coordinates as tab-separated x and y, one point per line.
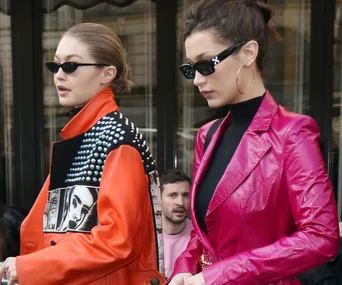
273	214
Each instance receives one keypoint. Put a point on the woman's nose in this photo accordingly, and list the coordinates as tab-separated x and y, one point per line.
60	74
199	79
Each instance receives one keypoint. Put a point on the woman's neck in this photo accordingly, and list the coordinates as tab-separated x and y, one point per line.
245	111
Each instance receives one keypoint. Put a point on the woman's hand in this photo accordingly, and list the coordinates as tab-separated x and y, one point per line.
197	279
180	279
8	270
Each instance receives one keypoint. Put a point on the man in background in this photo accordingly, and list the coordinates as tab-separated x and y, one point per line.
175	189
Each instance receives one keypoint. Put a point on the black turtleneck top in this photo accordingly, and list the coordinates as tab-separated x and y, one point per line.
73	111
242	115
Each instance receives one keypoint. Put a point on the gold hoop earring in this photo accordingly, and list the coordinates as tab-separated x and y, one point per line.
237	81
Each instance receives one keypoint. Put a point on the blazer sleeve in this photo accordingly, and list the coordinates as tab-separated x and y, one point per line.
115	242
314	210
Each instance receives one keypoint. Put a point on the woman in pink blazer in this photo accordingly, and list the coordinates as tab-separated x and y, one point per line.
262	206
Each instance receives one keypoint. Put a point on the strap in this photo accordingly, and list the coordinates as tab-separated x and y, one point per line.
155	197
211	132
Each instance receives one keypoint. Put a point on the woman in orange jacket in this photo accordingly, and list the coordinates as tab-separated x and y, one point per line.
96	220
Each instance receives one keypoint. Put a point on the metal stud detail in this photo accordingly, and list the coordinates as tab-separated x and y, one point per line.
108	133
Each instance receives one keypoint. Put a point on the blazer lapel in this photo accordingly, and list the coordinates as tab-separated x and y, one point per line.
250	151
248	154
197	179
210	149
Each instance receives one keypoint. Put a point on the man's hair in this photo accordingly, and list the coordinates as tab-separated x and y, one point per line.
173	176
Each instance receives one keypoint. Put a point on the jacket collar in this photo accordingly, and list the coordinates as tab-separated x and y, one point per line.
101	104
263	117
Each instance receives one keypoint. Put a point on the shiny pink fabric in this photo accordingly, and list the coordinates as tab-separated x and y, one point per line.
273	214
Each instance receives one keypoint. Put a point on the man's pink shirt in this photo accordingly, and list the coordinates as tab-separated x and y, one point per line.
174	245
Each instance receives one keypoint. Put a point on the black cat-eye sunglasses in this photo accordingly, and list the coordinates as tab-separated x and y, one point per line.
68	67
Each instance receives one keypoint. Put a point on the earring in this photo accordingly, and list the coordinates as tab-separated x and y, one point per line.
237	81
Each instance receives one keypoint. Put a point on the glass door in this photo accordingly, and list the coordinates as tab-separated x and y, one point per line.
6	109
336	141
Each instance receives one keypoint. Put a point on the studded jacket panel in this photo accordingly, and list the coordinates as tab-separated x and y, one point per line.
92	222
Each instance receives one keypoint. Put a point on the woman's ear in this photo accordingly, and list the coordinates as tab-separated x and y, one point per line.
109	74
250	52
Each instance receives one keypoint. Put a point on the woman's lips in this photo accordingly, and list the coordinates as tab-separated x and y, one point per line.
207	94
62	91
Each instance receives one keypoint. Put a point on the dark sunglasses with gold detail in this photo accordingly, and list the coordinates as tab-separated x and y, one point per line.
68	67
207	67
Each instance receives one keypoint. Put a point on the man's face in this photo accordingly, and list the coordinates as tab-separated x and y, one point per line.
175	201
81	202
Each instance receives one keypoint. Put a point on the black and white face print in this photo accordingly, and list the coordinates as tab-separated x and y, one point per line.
71	209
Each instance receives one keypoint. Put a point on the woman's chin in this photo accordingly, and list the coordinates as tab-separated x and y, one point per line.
65	102
214	104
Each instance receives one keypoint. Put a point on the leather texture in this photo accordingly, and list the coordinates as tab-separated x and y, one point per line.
121	249
273	213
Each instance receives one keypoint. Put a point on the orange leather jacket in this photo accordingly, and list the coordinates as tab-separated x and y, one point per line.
93	221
